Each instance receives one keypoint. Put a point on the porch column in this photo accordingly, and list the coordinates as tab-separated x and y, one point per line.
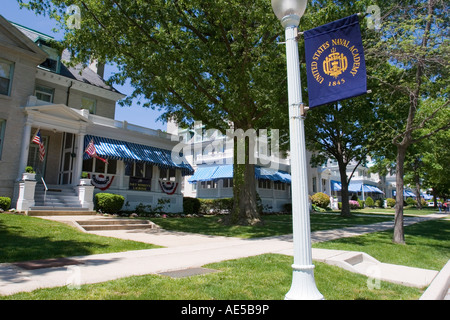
79	159
25	147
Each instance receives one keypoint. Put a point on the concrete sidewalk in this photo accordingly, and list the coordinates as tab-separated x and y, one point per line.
184	251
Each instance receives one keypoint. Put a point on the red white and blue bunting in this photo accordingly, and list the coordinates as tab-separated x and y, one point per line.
169	187
101	181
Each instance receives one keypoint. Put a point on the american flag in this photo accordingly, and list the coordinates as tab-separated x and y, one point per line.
38	140
90	150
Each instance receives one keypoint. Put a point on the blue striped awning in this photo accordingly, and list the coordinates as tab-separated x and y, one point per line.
133	152
335	186
358	187
355	187
223	172
203	173
272	174
209	173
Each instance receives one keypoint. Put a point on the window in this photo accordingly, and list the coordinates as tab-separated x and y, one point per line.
278	185
53	62
6	73
167	174
98	166
228	183
2	135
44	93
141	170
89	104
50	64
209	185
264	184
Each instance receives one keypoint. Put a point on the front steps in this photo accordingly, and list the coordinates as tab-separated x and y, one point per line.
116	224
57	201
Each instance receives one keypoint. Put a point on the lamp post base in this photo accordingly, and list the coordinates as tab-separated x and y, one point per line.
303	285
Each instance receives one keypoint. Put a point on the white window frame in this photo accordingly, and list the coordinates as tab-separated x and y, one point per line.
92	108
2	135
38	90
10	76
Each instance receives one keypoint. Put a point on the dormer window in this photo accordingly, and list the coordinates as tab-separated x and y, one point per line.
53	62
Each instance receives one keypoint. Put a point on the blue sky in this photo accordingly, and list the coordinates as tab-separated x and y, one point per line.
135	114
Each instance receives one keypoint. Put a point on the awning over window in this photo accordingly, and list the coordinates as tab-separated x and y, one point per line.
133	152
358	187
203	174
335	186
406	193
355	187
209	173
272	174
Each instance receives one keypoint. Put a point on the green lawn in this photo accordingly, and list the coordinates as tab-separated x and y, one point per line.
273	225
427	245
412	211
264	277
28	238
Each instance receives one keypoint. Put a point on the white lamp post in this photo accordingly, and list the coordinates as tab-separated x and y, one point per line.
303	285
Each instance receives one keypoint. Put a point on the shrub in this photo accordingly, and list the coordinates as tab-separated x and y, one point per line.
423	202
320	199
379	203
354	204
390	202
109	202
215	206
29	169
5	203
369	202
287	207
191	205
361	203
411	202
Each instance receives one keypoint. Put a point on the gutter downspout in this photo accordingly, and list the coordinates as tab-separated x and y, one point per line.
68	93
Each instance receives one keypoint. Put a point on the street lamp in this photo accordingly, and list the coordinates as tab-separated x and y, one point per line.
303	286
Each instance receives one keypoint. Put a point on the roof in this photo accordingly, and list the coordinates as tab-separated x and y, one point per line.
78	72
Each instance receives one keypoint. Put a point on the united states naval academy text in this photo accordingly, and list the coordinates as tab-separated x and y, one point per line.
228	309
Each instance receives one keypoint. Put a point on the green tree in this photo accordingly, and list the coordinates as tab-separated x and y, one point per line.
343	131
217	62
413	75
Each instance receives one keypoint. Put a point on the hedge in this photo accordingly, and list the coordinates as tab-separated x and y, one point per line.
191	205
109	202
320	199
5	203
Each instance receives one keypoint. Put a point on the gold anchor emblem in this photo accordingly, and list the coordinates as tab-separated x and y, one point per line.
335	64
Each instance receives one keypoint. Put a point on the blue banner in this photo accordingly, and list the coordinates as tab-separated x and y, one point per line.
336	68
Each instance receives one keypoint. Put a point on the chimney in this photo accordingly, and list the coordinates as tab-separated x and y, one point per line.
98	68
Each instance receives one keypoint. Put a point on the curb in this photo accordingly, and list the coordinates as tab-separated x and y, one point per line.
439	286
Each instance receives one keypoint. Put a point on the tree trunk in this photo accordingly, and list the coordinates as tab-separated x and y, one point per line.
245	209
345	209
399	236
419	199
